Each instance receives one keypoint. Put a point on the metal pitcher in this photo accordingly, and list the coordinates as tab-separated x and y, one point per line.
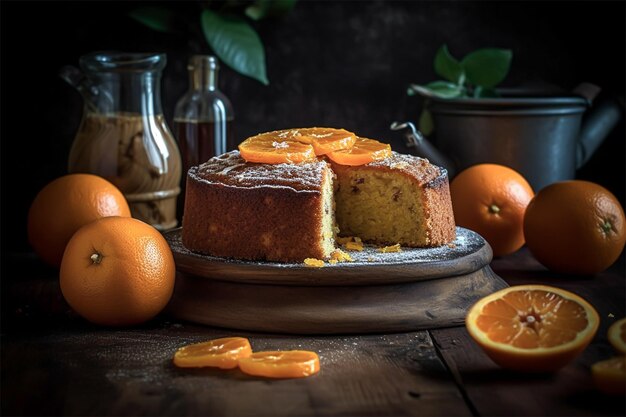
546	139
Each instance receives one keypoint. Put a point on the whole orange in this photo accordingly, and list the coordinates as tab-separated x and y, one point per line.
490	199
66	204
575	227
117	271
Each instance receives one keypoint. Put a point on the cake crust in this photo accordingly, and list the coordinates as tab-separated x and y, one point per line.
255	211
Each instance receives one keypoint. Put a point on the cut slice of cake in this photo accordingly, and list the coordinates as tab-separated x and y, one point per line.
400	199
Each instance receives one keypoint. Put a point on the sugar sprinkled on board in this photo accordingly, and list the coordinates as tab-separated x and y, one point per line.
466	242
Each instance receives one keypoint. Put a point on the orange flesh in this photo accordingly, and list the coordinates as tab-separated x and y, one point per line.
281	364
222	353
532	319
362	152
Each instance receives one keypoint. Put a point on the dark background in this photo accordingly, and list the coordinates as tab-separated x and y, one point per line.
341	64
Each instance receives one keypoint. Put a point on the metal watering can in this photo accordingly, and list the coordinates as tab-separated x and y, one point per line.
543	138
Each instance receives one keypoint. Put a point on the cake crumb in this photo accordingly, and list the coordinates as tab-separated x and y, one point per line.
340	256
343	240
451	245
389	249
333	261
358	246
351	242
313	263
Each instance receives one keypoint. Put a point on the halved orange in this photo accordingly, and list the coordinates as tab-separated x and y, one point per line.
609	376
281	364
362	152
617	335
532	328
268	150
223	353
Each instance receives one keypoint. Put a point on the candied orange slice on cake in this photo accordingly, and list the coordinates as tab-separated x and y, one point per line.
223	353
281	364
268	149
279	146
532	328
325	139
362	152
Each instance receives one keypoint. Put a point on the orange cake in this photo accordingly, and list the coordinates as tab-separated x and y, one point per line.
288	212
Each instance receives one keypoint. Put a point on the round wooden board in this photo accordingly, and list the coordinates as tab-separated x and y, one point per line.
411	290
468	253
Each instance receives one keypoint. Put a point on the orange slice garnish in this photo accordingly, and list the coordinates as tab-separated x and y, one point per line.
294	145
281	364
617	335
325	140
533	328
223	353
362	152
609	376
267	149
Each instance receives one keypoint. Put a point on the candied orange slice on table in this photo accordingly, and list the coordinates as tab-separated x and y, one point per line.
533	328
609	375
223	353
362	152
281	364
617	335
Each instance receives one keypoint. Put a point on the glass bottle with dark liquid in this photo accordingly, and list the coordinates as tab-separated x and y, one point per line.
203	119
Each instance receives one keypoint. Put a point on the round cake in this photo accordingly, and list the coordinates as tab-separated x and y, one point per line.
292	211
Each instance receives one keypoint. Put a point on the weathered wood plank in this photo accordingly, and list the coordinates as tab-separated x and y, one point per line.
87	370
492	390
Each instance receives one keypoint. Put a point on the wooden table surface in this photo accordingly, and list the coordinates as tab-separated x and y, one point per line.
54	363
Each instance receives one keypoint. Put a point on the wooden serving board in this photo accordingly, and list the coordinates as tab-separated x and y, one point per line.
417	288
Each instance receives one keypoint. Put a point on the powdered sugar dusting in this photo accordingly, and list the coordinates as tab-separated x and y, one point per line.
467	242
419	168
232	170
280	145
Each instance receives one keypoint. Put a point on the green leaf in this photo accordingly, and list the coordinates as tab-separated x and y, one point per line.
447	66
269	8
425	123
156	18
236	43
443	89
487	67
